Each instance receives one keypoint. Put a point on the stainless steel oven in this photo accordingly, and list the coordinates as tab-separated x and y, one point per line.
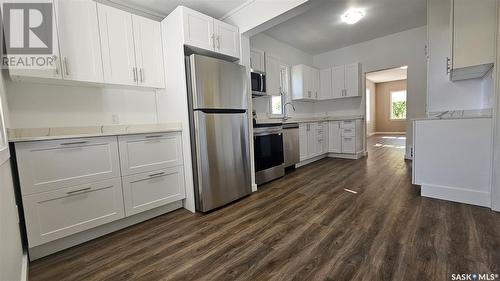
268	152
258	83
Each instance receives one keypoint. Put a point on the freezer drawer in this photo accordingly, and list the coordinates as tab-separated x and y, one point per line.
221	158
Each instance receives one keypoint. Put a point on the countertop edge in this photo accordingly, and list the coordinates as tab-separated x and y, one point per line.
119	130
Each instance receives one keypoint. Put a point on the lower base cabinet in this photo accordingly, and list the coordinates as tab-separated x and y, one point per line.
339	137
85	187
145	191
55	214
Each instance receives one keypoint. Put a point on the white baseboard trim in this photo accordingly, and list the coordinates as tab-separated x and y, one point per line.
24	267
309	161
81	237
355	156
389	133
455	194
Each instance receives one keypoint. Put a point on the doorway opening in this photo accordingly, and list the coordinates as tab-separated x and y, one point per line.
386	107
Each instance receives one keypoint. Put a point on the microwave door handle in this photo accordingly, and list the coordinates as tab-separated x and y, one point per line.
261	83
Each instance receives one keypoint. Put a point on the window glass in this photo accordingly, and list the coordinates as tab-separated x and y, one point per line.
398	105
276	105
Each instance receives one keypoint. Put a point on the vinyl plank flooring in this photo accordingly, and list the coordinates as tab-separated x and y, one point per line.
304	226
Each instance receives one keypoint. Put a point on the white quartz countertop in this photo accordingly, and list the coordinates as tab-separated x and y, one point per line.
308	119
40	134
452	118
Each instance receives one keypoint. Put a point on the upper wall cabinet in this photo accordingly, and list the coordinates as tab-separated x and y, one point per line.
346	81
257	60
305	82
75	44
78	41
117	41
148	52
473	38
207	33
273	85
132	52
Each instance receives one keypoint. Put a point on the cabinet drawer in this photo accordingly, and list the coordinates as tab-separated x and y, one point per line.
50	165
60	213
149	152
348	132
348	145
145	191
348	124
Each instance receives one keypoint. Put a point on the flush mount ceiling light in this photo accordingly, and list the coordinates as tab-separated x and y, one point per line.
352	16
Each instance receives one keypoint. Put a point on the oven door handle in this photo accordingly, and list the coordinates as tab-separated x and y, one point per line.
267	134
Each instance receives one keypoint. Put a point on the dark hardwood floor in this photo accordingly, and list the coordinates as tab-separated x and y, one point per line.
304	226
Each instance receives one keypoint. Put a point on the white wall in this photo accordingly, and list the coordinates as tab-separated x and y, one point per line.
403	48
289	56
11	249
371	122
38	105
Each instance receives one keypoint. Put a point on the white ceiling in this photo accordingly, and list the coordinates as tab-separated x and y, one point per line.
388	75
319	29
214	8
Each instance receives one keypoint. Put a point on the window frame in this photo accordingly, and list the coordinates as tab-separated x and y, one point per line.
368	97
4	142
285	87
391	104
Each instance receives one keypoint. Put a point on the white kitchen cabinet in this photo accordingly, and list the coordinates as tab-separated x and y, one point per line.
149	152
273	68
322	138
473	38
132	49
334	137
257	60
312	140
346	80
117	42
352	80
198	29
348	144
79	43
204	32
53	71
325	79
352	136
303	132
145	191
227	39
305	82
54	164
59	213
338	81
148	52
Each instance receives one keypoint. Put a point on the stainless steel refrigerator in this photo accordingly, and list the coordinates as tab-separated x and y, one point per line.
217	99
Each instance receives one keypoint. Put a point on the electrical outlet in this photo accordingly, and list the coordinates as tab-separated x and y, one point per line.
115	119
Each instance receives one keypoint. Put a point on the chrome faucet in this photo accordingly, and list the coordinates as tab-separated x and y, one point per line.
285	112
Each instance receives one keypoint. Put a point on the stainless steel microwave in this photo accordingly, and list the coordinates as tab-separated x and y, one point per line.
258	83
